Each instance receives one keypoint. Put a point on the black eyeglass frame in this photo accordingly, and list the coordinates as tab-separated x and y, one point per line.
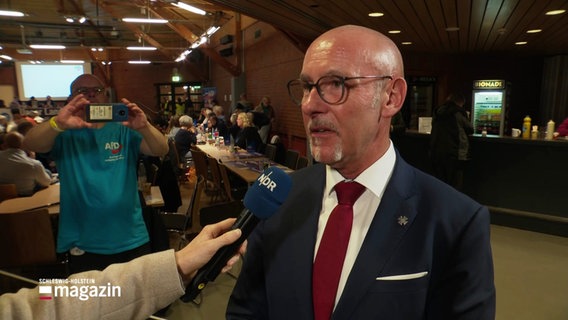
82	90
341	79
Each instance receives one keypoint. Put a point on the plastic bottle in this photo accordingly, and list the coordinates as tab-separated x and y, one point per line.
549	130
142	179
526	130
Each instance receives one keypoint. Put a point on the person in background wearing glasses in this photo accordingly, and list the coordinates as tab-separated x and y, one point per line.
101	220
416	249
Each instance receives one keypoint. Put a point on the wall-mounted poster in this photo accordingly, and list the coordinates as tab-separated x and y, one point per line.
209	94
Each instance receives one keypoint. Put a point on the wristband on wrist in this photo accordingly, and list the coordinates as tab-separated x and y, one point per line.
54	125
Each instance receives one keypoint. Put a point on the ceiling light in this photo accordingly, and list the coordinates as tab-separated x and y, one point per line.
139	62
555	12
8	13
133	48
406	43
106	63
394	31
534	31
212	30
72	61
70	20
376	14
47	46
520	43
451	29
82	19
144	20
189	8
5	57
1	48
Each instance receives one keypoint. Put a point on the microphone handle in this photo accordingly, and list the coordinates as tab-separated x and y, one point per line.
246	221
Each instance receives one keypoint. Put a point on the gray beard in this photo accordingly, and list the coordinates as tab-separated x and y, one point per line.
316	152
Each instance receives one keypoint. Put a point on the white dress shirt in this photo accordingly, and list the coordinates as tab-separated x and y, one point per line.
375	179
26	173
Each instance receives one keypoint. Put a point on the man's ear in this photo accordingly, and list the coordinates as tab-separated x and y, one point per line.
396	98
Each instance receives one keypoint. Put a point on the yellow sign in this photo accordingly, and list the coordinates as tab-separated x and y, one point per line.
489	84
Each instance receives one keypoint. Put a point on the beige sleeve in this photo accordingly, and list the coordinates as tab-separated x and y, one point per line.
146	284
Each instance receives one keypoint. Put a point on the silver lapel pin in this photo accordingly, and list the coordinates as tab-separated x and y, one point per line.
402	220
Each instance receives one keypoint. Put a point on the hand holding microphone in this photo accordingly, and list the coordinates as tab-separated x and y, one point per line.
261	201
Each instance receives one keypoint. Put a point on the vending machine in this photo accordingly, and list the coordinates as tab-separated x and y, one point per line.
489	111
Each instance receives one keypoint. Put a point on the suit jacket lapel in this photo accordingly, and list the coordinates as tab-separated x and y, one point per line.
382	238
306	206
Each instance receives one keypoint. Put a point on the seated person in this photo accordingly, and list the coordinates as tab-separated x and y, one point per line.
233	127
18	168
248	137
214	123
185	137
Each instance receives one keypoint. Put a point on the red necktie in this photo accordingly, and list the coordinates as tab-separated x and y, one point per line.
332	249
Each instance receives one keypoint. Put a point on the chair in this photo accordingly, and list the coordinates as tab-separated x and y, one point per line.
232	191
8	191
178	223
270	151
302	162
200	163
221	211
179	168
27	239
219	190
291	158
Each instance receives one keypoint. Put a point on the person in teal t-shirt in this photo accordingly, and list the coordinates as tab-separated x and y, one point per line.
101	218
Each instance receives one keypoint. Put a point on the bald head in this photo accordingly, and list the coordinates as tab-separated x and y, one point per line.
364	47
13	140
368	66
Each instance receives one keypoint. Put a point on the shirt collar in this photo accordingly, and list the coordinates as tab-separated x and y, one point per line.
374	178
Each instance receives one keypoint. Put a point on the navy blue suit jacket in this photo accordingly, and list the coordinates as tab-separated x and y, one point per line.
446	235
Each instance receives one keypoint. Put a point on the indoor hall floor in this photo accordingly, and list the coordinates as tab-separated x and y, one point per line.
531	277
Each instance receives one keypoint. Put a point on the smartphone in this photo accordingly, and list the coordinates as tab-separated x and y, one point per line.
106	112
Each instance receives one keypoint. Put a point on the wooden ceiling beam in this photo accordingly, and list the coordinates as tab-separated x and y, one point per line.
137	31
191	37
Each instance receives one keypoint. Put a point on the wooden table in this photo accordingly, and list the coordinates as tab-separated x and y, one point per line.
223	154
48	197
248	166
154	198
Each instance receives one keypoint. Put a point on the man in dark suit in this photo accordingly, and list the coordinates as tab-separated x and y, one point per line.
417	248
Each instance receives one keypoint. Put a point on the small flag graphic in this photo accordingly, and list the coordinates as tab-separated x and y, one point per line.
45	292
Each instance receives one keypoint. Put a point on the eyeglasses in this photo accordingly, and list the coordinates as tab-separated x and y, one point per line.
331	89
89	90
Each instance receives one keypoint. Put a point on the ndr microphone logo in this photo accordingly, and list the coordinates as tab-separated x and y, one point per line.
265	180
68	288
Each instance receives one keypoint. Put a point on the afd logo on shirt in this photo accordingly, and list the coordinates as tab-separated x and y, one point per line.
115	149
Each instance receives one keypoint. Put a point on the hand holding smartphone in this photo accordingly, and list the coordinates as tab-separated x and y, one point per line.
106	112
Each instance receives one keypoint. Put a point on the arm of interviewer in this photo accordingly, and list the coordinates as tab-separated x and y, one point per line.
134	290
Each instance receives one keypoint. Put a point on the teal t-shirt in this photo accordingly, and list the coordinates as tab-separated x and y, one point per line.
100	207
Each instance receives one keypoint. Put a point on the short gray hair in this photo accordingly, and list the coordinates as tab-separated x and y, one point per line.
185	121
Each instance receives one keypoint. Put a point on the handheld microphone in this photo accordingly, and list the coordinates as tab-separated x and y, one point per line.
261	201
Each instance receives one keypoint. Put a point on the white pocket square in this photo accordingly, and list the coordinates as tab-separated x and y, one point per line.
404	276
